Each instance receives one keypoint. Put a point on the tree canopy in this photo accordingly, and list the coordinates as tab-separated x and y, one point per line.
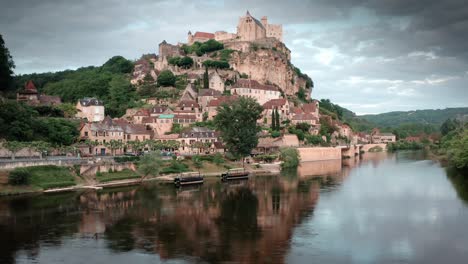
237	123
6	66
166	78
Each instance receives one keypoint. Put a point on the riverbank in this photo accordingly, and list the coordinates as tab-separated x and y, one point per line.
9	190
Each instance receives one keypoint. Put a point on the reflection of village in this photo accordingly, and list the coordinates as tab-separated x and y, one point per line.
243	222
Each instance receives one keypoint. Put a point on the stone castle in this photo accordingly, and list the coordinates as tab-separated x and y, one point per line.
248	29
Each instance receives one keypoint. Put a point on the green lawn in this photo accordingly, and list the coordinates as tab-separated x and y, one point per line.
118	175
47	177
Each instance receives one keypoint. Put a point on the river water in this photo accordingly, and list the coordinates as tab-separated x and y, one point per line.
386	208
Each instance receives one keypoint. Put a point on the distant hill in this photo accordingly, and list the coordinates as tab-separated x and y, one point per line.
424	117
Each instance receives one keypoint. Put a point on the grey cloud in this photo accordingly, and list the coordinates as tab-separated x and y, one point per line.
401	40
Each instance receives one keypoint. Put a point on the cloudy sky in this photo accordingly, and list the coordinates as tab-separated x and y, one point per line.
369	56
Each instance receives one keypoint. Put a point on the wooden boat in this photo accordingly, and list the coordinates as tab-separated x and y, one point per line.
188	178
235	174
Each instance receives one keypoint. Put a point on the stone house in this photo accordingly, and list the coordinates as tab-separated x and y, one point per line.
198	140
281	105
31	96
160	124
108	129
260	92
206	95
90	108
216	82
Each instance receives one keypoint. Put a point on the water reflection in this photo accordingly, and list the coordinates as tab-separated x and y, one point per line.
373	209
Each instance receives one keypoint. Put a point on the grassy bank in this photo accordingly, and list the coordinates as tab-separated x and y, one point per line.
37	178
115	176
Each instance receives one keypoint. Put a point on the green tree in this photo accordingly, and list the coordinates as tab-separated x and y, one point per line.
197	162
149	165
41	147
114	145
13	147
218	159
118	64
290	158
206	81
273	120
277	122
166	78
448	126
68	109
121	96
6	67
237	123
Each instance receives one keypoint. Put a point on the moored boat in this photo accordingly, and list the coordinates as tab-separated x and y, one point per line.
235	174
188	178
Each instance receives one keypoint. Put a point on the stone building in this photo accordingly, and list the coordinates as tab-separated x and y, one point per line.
167	50
250	29
108	129
31	96
281	105
260	92
216	82
90	108
206	95
199	37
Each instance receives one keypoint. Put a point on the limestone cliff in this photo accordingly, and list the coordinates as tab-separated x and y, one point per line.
269	64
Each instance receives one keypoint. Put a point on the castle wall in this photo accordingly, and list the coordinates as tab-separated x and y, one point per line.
320	153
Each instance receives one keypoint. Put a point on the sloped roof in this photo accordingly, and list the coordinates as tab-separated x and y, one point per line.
304	117
207	35
188	103
49	99
253	84
274	103
88	101
209	92
309	108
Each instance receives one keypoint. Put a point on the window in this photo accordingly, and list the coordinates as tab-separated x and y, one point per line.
86	133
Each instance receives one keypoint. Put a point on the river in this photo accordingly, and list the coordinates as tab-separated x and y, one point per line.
385	208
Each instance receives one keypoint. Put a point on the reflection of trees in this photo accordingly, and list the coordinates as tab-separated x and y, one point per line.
459	181
34	219
238	219
119	236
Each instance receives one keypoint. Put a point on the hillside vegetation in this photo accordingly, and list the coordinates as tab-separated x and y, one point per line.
421	117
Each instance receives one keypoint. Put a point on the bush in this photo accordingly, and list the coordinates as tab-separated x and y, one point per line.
314	140
218	159
216	64
183	62
197	162
19	176
275	134
166	78
290	158
175	167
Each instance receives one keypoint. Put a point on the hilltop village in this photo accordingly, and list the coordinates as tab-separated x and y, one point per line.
208	70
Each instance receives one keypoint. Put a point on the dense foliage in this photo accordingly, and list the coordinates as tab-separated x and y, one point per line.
455	145
99	82
20	122
216	64
201	48
237	123
166	78
404	145
6	67
433	117
183	62
290	158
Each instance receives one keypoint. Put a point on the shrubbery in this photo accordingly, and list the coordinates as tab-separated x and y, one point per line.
19	176
290	158
202	48
126	159
216	64
166	78
183	62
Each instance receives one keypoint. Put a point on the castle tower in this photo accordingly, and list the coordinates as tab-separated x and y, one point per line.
265	22
249	28
189	37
